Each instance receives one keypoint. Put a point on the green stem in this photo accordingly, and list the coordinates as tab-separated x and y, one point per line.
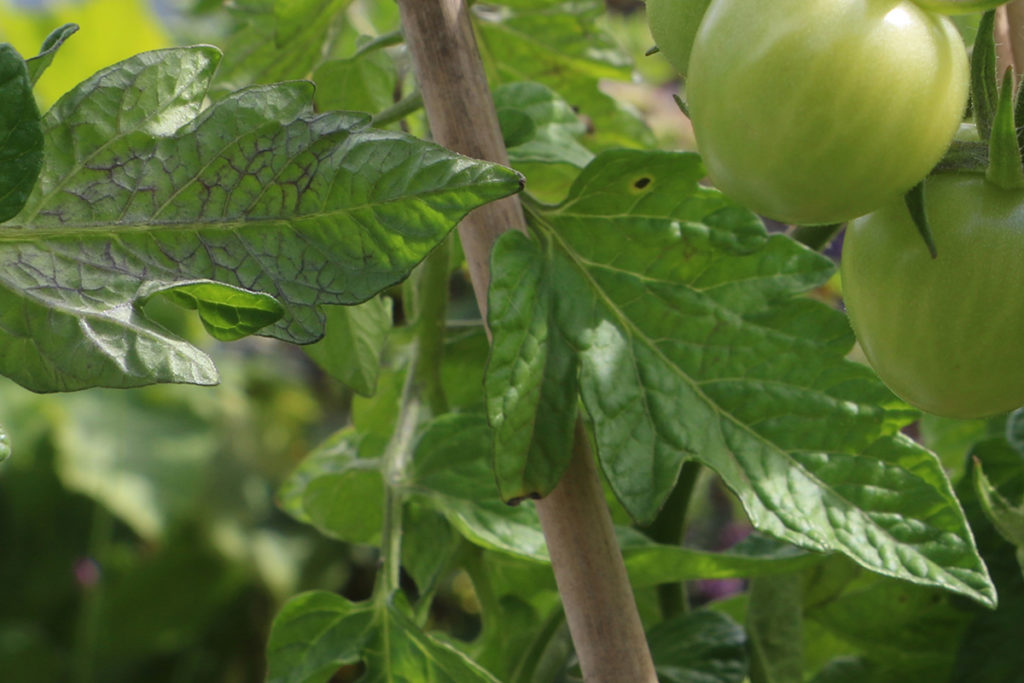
396	464
381	41
429	303
399	110
668	528
101	532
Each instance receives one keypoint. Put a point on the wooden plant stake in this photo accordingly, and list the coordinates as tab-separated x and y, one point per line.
598	600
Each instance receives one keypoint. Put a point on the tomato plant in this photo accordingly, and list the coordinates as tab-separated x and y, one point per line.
817	111
487	418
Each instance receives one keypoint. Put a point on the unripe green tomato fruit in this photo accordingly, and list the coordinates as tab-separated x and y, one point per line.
818	111
943	334
673	25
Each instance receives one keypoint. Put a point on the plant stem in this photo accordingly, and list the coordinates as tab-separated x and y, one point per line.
429	299
101	532
668	528
399	110
585	557
396	464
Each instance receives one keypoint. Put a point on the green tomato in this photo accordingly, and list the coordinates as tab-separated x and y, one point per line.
943	334
818	111
673	25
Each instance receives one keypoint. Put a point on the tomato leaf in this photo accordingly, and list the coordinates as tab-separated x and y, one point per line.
531	374
694	343
1008	519
354	339
253	54
651	564
701	646
562	46
316	633
452	474
775	626
141	188
21	136
401	651
38	64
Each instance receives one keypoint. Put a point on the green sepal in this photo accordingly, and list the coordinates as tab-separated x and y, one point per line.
681	103
984	90
915	204
1004	163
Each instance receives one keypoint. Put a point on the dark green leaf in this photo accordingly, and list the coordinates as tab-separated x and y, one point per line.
336	491
278	40
333	456
452	474
38	64
362	83
906	632
354	338
547	149
699	647
560	45
314	634
651	564
775	626
21	136
140	190
402	652
428	543
1007	518
531	374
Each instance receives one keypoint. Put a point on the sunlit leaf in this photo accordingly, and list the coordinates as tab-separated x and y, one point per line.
142	189
694	342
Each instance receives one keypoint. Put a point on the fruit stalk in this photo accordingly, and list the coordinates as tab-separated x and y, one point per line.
588	566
